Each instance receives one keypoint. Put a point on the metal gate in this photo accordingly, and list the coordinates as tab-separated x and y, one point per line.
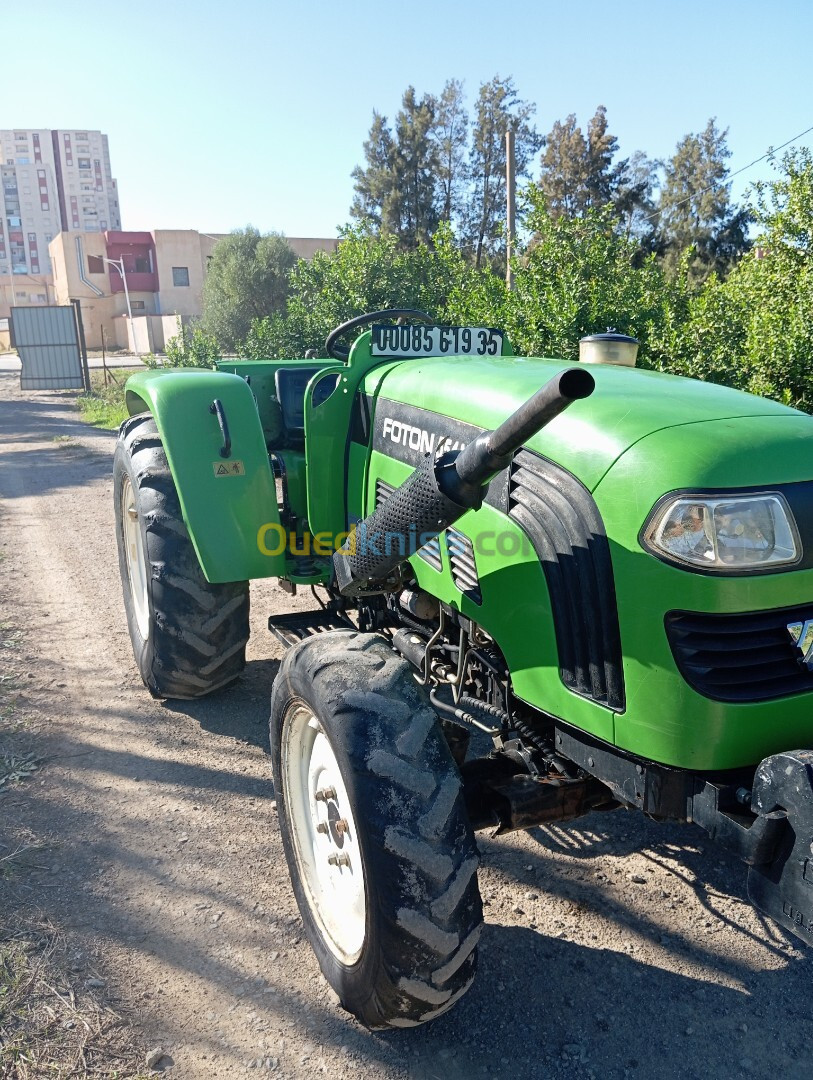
47	340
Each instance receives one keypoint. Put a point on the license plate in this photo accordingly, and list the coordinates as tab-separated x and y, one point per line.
414	341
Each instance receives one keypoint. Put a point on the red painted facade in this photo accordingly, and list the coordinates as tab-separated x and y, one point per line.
137	249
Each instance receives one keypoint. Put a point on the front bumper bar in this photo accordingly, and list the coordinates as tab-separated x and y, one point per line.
783	886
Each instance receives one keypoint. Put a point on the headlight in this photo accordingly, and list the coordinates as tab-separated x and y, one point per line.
724	532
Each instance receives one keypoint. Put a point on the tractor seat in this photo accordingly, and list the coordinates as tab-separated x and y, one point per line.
290	384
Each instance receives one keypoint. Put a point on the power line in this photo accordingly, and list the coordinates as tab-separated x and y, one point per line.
768	153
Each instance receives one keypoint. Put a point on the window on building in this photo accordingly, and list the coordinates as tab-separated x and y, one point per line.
95	264
180	275
83	162
138	305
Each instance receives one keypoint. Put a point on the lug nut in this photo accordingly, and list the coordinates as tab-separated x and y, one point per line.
322	827
323	794
341	826
342	859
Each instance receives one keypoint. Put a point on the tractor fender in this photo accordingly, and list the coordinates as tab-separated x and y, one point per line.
227	494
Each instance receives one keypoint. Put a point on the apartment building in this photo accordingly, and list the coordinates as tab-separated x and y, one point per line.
51	181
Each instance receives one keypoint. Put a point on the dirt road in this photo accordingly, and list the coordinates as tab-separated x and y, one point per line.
614	947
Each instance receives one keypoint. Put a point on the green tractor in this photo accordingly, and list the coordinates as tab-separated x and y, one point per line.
544	590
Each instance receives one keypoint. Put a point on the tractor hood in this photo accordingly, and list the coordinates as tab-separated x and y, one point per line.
628	405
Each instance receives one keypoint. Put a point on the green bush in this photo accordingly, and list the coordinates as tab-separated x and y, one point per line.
192	347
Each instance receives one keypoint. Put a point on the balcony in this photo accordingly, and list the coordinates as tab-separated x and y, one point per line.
136	282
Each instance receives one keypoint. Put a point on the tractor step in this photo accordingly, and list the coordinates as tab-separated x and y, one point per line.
294	626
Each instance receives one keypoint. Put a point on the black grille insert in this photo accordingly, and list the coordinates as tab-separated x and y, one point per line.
740	658
462	565
383	490
563	523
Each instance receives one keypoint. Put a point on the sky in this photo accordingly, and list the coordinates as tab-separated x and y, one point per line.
226	114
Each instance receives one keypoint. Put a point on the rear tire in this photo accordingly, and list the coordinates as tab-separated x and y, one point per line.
383	860
189	636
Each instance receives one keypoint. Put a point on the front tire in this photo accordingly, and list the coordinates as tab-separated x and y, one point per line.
189	636
379	847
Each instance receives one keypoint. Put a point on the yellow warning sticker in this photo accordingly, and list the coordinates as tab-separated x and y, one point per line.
229	468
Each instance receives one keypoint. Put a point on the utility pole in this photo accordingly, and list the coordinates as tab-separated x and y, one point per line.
511	206
119	265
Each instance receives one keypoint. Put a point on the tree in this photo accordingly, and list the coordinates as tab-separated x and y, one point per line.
633	202
498	109
247	279
563	178
579	172
416	169
695	209
451	139
367	273
577	276
374	185
396	191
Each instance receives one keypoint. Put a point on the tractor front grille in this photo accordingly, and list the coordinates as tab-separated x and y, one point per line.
462	565
564	525
740	658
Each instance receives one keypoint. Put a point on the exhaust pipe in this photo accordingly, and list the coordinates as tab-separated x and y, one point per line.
442	488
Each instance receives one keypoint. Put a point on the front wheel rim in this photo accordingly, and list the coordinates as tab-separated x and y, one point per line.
135	557
324	835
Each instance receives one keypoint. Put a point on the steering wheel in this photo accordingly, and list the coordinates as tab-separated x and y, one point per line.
341	352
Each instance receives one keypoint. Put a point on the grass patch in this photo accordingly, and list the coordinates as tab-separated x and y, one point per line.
54	1019
104	406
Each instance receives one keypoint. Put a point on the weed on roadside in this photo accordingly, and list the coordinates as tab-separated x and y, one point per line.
104	406
55	1020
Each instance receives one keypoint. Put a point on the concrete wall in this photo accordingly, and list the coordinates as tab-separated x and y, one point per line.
25	290
140	337
171	327
183	249
307	246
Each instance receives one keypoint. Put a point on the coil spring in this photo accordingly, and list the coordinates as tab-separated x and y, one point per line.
533	737
465	701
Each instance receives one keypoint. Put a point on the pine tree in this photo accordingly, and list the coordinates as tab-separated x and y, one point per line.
695	207
602	175
415	170
636	180
498	109
451	139
374	185
563	179
578	172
